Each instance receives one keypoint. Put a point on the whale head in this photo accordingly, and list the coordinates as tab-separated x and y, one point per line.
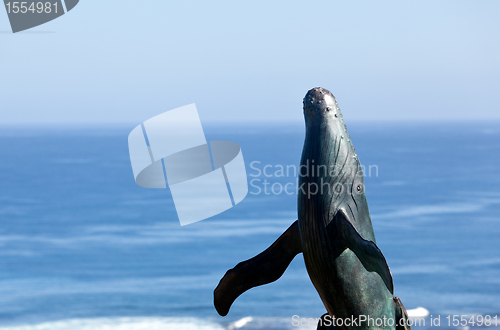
327	141
335	176
320	108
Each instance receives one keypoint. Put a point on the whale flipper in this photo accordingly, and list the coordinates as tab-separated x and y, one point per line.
266	267
367	252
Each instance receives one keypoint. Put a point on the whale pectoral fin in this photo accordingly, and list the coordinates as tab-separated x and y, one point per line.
367	252
264	268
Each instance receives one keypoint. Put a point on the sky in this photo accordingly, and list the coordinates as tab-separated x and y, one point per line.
127	61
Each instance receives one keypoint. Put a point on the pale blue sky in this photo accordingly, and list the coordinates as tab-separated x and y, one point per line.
127	61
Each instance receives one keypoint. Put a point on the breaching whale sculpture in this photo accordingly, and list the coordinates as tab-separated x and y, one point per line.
334	232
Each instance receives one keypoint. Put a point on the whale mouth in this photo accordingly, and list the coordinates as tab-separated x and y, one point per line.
319	100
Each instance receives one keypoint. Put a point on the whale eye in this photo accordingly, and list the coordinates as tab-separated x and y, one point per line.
359	188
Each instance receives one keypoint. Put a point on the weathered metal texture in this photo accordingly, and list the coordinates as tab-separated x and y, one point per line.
334	231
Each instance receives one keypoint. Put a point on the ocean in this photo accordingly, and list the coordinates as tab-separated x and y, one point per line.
83	247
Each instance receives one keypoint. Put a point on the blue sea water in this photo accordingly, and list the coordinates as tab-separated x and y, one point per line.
83	247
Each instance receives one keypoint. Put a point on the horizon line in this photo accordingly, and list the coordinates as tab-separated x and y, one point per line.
242	122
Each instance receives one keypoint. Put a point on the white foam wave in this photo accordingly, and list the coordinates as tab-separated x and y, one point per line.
418	312
123	323
240	323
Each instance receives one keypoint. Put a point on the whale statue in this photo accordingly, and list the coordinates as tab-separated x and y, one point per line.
333	231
